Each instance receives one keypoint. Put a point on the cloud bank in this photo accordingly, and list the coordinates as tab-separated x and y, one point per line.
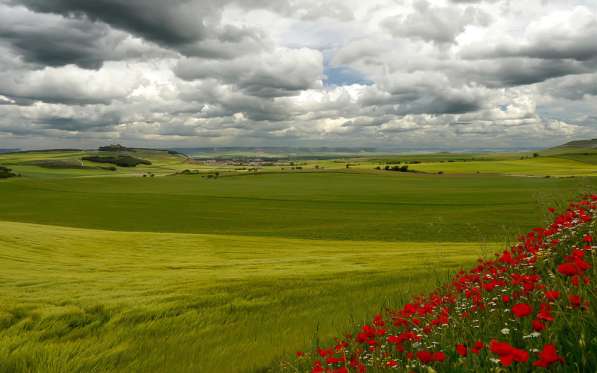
450	73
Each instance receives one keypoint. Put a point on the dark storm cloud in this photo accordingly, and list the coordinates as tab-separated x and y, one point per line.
190	27
424	103
283	72
174	22
51	40
216	101
513	72
548	47
100	123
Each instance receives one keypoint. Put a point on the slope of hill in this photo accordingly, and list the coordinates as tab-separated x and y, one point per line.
531	307
71	162
580	151
79	300
591	143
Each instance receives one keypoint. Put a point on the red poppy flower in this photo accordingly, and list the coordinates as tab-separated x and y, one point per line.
522	310
548	356
538	325
500	348
392	363
439	356
568	269
552	294
461	350
425	356
378	320
507	353
478	347
317	368
574	300
545	312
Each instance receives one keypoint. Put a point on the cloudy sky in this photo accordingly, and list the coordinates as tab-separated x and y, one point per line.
451	73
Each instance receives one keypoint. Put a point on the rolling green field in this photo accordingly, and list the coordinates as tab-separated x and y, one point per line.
386	206
541	166
110	271
86	300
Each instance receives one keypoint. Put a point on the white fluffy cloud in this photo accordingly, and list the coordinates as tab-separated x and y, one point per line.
447	73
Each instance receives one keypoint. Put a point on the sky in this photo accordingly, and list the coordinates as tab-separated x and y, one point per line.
381	73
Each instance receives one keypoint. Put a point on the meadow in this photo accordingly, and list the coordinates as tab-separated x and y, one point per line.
384	206
112	271
86	300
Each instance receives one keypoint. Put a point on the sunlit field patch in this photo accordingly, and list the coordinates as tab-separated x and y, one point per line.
90	300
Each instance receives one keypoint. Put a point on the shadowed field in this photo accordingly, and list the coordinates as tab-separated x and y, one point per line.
383	207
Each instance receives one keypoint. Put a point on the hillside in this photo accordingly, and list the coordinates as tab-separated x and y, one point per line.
584	151
592	143
106	161
79	300
529	308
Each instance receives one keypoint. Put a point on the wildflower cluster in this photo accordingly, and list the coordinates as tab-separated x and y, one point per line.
530	307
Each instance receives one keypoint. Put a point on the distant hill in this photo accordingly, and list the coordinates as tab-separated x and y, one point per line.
579	150
592	143
9	150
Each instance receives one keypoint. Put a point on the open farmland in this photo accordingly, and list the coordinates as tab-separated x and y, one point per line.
385	206
117	271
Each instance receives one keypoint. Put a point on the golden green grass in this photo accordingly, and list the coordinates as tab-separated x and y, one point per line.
541	166
77	300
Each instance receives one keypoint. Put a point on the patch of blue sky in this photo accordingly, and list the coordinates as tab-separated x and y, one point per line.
336	76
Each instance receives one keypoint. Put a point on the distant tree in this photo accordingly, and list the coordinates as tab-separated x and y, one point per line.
120	160
404	169
6	172
535	155
113	148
